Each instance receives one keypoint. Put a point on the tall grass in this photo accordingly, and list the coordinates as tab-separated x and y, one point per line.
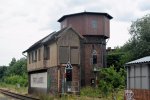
45	97
86	93
14	88
90	91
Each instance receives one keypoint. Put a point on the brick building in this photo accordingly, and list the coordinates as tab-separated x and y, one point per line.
95	28
81	42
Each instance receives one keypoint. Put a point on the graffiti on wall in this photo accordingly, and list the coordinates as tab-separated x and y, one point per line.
39	80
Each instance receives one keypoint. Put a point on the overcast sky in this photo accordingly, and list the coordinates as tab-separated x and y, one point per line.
23	22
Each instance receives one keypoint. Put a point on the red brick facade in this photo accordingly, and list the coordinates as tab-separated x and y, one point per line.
141	94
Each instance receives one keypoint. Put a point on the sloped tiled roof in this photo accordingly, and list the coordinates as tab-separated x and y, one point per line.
141	60
51	37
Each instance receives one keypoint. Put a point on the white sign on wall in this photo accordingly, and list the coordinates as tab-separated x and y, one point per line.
39	80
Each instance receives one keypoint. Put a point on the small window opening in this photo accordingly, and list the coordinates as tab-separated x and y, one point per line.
94	57
94	24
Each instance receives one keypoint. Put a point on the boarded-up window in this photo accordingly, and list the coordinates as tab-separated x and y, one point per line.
29	58
32	54
35	56
63	55
74	55
39	54
46	53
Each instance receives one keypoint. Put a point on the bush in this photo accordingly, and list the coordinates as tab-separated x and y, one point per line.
111	81
16	79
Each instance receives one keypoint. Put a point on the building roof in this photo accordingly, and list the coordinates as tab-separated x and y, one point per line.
51	37
141	60
82	13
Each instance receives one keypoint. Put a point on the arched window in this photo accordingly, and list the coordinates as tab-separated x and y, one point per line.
94	57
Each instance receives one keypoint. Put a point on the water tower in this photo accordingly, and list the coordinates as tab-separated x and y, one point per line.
95	28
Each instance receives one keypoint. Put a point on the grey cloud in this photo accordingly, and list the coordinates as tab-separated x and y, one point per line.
126	17
1	11
144	5
44	28
20	14
79	1
53	25
32	20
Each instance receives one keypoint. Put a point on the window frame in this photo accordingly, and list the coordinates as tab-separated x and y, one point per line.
94	24
39	54
69	48
46	52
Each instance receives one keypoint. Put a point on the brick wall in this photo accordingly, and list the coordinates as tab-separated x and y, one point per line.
52	80
75	75
141	94
88	67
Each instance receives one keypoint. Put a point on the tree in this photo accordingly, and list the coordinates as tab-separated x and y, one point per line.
139	44
13	61
17	68
16	72
2	72
117	58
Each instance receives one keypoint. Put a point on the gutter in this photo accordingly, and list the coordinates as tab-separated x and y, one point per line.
24	54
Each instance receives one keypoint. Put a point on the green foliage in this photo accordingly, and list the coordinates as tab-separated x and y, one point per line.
13	61
117	58
111	80
139	44
17	68
90	91
2	72
16	79
15	73
114	59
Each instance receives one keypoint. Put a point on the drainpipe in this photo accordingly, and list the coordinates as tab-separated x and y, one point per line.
24	54
29	85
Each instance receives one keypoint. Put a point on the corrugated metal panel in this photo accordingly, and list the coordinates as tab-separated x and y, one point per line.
141	60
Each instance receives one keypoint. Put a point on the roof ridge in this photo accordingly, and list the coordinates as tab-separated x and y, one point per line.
46	39
74	14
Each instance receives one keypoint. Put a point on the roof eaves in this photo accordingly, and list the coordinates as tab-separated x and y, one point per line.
38	43
53	36
141	60
82	13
